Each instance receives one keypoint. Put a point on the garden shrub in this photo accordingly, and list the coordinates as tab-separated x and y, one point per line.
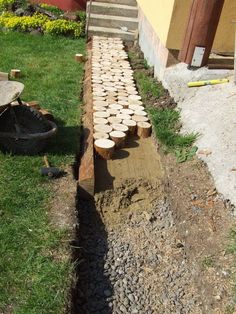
6	4
42	22
51	8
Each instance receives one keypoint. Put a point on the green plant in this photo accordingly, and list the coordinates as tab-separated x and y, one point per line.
148	86
166	125
52	8
6	4
40	21
208	262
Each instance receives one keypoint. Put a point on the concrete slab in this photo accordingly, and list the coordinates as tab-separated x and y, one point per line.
211	112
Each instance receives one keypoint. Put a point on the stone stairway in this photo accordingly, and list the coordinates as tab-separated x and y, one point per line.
114	18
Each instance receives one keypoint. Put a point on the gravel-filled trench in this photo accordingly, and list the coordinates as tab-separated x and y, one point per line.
132	260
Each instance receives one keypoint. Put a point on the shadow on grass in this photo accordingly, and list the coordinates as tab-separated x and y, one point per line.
93	288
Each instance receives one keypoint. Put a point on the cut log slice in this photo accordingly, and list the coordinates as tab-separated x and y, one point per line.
144	129
136	107
122	94
113	112
95	98
120	127
105	148
127	111
123	116
135	102
132	125
115	106
140	113
99	94
103	128
134	97
100	103
118	137
140	118
112	94
110	89
132	92
111	100
122	98
99	108
114	120
100	121
101	114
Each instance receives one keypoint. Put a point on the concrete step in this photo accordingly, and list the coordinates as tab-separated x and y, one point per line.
113	9
111	32
113	21
126	2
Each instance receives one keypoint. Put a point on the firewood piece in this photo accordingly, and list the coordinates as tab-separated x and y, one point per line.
100	103
120	127
144	129
101	114
115	106
15	73
103	128
123	116
127	111
118	137
140	113
34	104
114	120
100	135
136	107
134	97
99	108
135	102
100	121
105	148
113	112
140	118
79	57
132	125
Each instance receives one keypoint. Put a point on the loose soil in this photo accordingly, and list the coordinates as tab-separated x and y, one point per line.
157	244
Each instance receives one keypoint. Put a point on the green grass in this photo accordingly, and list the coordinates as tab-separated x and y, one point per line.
34	263
166	122
208	262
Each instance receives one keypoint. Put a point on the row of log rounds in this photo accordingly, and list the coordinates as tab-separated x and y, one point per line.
117	108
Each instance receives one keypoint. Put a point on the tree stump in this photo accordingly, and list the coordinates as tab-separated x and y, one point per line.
132	125
114	120
15	73
120	127
118	137
100	121
100	135
140	118
144	129
103	128
105	148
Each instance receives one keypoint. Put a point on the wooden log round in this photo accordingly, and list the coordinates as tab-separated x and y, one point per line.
115	106
99	108
15	73
134	97
136	107
100	103
120	127
132	125
103	128
100	135
124	104
127	111
113	112
140	118
123	116
140	113
118	137
144	129
105	148
114	120
100	121
135	102
101	114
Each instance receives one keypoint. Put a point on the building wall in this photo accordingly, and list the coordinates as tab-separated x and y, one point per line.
158	13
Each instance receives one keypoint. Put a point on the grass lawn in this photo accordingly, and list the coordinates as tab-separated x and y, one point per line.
34	264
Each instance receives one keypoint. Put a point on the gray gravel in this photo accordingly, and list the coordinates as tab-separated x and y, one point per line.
138	266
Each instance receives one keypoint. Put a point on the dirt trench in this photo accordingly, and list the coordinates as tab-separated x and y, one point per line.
155	245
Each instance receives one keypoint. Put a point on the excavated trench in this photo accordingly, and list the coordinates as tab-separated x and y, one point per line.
143	240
